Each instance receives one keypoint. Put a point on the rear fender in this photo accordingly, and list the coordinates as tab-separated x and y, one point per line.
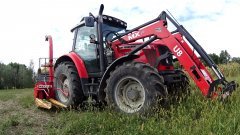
78	62
103	83
80	66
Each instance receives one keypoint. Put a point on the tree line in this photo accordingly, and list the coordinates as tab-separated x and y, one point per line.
224	57
16	76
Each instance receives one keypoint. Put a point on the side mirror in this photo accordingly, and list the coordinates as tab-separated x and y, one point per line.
89	21
93	39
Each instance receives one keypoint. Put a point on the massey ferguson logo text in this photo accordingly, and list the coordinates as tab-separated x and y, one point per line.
133	35
44	86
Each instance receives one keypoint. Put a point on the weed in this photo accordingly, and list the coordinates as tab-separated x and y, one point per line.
26	101
6	95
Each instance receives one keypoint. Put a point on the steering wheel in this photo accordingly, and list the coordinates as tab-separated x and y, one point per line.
109	33
116	34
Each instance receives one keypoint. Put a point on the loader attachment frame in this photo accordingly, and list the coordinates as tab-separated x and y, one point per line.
228	86
178	43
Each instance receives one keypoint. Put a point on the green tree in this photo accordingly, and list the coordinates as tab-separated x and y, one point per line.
215	58
1	75
15	75
236	59
224	56
8	77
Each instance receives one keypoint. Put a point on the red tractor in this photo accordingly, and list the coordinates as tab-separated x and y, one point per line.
130	70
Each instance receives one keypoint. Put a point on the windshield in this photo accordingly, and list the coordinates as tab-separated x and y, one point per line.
109	32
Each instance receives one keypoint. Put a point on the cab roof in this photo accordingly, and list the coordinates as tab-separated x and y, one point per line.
113	21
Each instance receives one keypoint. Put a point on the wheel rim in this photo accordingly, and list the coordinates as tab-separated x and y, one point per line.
63	92
129	94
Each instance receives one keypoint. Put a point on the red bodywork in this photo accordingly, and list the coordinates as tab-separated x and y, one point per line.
82	71
175	43
44	89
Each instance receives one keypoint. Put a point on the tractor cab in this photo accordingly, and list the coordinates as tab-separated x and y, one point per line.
88	39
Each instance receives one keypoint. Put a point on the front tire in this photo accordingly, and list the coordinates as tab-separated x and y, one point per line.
135	87
179	91
68	86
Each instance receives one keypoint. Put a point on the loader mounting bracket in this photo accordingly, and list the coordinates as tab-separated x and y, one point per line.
228	88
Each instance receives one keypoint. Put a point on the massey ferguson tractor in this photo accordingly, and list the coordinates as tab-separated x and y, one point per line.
131	71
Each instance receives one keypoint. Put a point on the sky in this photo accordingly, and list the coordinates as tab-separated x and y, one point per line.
24	23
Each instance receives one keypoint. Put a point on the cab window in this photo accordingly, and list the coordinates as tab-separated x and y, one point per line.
87	50
83	46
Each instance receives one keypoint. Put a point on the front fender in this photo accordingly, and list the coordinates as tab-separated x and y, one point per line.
78	62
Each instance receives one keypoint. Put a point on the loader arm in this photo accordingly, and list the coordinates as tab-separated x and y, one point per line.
184	47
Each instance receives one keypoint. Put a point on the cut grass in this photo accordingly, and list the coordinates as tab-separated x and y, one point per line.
18	115
6	95
26	101
24	97
11	121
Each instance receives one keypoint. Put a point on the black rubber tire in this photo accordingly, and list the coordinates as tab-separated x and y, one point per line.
147	77
67	70
179	91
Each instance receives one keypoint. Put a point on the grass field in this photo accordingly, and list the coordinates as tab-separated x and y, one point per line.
196	115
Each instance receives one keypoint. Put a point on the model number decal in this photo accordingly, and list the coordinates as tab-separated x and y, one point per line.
44	86
177	50
133	35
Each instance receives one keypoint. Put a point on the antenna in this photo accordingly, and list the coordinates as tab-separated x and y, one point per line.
172	17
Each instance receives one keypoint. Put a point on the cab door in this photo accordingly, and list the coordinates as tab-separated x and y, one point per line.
86	50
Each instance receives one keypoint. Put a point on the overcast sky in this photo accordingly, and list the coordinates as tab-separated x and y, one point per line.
24	23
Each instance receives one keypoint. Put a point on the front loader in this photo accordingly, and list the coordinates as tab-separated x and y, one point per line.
133	70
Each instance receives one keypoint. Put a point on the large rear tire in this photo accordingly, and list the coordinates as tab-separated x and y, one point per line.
68	86
135	87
